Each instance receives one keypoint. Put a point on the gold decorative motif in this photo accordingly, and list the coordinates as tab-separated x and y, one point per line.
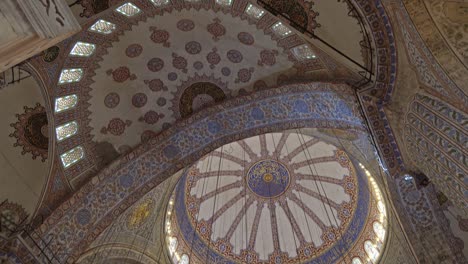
267	177
140	214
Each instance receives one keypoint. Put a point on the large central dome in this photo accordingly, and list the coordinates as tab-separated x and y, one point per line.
273	198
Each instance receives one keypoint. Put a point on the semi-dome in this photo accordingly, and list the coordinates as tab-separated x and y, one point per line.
276	198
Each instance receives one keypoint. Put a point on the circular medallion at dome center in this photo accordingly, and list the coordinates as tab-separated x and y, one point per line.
268	178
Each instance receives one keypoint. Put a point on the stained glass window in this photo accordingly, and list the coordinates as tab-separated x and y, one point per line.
254	11
371	251
83	49
72	156
357	260
184	259
65	103
280	29
70	75
128	9
224	2
160	2
103	27
379	230
303	52
67	130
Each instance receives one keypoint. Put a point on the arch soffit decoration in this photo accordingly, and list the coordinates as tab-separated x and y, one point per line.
373	99
294	106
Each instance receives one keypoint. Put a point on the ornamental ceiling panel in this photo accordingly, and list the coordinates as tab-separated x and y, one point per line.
166	67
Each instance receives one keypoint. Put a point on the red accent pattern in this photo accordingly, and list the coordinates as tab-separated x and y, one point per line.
268	57
160	36
121	74
179	62
151	117
244	75
216	29
156	85
116	127
213	58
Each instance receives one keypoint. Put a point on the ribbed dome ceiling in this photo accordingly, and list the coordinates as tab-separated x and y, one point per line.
273	198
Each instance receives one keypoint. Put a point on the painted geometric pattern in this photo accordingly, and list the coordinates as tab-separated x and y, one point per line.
274	196
312	105
226	51
437	136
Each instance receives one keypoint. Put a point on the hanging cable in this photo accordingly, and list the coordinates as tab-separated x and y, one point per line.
300	198
285	201
214	202
314	175
197	221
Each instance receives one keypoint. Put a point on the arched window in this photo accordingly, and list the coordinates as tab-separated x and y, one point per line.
357	260
379	230
371	250
184	259
172	244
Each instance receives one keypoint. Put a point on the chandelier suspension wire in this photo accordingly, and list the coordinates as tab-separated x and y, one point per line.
390	225
383	175
343	147
292	228
365	186
166	194
214	201
386	190
245	202
314	176
302	143
303	211
209	158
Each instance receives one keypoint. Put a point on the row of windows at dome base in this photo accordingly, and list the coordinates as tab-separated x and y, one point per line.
372	251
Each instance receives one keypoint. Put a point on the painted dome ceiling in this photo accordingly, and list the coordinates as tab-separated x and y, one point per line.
153	63
275	198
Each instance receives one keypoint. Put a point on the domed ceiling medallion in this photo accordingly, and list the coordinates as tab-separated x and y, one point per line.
273	198
268	178
31	132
